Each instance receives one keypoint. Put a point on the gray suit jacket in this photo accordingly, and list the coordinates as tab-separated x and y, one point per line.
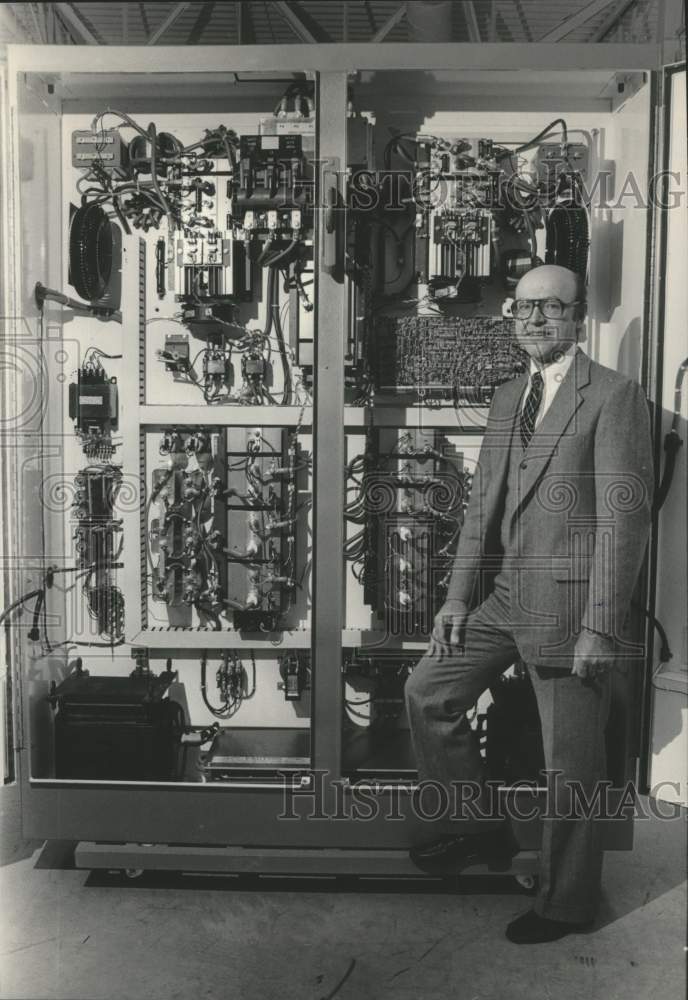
581	517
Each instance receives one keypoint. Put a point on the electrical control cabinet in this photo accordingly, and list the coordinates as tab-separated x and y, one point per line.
261	316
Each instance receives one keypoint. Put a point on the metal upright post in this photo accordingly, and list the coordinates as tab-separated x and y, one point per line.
328	527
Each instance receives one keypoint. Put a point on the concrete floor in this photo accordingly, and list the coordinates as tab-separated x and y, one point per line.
68	934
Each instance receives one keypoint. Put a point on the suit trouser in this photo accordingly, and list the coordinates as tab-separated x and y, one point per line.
573	715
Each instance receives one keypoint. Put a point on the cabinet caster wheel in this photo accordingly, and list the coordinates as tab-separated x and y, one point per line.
133	872
527	882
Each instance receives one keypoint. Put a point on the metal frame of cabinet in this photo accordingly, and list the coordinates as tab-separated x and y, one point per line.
232	818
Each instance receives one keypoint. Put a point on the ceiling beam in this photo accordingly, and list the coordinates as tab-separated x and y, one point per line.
498	26
611	21
76	24
51	25
42	37
167	23
246	32
391	22
492	31
471	21
144	18
45	9
306	27
575	20
202	21
525	26
63	34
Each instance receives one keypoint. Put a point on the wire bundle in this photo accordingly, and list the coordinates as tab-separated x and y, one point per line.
142	199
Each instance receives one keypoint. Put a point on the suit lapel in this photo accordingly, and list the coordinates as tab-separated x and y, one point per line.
503	417
558	420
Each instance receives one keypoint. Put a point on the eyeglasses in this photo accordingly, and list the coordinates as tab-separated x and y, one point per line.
550	308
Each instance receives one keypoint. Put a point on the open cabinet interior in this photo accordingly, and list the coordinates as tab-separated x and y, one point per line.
465	201
176	461
178	391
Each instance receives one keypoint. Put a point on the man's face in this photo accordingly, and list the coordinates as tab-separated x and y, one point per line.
545	338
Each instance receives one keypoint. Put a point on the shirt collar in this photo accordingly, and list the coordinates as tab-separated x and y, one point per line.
558	367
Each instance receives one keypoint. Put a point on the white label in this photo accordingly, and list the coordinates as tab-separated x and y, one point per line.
269	142
92	138
295	127
90	400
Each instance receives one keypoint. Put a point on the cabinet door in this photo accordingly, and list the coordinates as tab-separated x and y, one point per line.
663	756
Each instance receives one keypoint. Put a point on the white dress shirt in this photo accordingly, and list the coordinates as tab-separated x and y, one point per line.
552	376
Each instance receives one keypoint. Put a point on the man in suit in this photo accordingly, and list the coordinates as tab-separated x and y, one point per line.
552	543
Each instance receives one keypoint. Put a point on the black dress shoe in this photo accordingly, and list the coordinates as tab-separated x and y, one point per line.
450	855
531	928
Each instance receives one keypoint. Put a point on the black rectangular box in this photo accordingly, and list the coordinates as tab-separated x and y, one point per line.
116	729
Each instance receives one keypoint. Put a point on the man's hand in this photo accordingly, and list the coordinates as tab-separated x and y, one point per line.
593	654
446	632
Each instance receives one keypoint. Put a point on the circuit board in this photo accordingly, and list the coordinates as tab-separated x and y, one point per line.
463	357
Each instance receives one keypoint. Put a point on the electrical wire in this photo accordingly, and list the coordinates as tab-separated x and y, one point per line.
274	306
19	602
97	352
546	131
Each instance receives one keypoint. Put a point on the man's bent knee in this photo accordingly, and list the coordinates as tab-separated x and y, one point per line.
416	687
429	684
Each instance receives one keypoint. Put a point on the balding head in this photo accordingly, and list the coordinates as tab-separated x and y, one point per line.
550	281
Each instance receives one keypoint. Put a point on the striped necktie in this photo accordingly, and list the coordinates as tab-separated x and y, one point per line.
530	410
